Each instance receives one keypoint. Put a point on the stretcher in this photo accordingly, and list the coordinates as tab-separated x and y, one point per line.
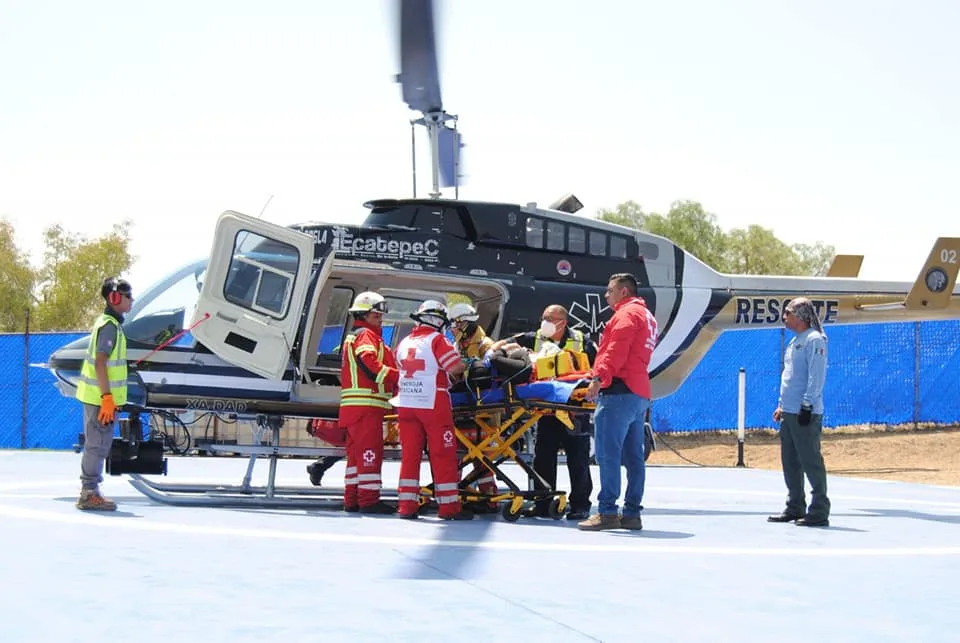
491	425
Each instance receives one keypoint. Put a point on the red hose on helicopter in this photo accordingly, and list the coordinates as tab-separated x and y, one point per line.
205	317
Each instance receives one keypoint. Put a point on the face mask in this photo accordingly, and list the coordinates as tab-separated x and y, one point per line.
547	328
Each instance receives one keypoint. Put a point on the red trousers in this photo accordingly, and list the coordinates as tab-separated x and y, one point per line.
362	482
433	429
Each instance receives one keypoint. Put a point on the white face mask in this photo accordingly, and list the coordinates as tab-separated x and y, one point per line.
547	328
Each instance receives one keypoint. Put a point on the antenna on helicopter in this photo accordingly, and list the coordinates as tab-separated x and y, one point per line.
264	209
420	81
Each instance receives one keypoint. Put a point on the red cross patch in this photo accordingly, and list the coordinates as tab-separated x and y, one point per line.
411	364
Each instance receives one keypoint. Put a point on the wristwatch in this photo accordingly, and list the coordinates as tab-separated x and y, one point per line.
596	379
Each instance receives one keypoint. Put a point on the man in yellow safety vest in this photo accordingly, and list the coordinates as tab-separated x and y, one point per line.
102	389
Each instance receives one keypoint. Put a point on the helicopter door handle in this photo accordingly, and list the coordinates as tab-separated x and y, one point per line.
232	320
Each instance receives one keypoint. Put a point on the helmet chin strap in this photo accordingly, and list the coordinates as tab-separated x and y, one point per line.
423	319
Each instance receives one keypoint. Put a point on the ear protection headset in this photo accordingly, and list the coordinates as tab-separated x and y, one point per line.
115	289
113	297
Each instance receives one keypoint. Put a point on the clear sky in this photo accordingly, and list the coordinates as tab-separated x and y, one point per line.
824	120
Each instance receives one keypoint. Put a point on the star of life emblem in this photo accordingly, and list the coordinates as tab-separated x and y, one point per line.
588	317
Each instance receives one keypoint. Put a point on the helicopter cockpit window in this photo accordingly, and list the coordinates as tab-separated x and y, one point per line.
577	240
261	274
598	243
162	313
534	232
555	234
618	247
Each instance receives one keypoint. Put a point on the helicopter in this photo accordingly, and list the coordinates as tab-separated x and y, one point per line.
254	329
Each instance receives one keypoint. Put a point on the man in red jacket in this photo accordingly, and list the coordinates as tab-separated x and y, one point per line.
368	379
621	386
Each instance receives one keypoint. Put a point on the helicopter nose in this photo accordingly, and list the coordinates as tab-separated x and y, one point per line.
65	363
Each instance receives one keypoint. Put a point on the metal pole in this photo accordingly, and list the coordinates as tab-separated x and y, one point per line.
26	379
413	151
434	132
456	160
741	414
916	375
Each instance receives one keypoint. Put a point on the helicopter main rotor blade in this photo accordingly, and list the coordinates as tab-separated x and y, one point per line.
419	77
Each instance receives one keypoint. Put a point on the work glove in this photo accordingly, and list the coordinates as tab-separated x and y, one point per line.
108	410
803	417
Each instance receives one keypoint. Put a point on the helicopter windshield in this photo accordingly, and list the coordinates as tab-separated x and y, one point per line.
161	312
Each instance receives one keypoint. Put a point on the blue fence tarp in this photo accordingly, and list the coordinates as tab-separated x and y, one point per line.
878	374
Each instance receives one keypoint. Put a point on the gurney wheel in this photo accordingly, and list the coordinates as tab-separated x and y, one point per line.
511	510
558	507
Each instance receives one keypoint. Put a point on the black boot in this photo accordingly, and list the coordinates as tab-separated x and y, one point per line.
784	517
379	507
316	469
464	514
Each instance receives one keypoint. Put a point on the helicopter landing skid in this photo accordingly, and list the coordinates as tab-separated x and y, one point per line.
268	496
228	496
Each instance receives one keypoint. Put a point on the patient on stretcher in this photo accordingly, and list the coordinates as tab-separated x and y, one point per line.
519	365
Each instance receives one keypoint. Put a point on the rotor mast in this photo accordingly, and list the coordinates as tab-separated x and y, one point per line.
434	123
420	80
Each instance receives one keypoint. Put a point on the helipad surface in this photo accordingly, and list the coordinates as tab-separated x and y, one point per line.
707	566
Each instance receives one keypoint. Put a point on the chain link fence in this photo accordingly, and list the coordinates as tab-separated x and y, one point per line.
878	374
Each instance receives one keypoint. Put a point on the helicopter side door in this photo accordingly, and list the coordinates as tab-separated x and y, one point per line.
254	292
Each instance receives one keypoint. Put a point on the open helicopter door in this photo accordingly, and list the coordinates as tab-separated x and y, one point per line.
253	295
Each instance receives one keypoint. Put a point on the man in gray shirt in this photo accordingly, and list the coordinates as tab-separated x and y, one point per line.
102	389
800	414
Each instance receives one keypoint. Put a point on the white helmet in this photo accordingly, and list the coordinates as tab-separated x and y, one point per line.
463	312
367	301
431	313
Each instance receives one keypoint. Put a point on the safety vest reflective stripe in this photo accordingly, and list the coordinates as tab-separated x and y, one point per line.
382	375
358	395
369	481
574	342
88	388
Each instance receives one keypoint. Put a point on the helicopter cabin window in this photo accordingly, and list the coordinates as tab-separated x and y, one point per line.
429	219
618	247
453	223
598	243
577	239
261	274
534	232
334	326
555	234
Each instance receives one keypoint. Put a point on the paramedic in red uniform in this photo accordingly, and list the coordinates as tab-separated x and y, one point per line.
368	379
427	361
621	386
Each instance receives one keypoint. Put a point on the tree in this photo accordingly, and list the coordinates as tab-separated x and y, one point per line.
72	273
16	282
755	250
814	259
692	228
628	213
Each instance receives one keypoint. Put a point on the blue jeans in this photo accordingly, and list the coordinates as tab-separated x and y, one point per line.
618	424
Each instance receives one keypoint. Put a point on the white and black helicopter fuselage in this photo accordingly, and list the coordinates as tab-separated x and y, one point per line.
271	301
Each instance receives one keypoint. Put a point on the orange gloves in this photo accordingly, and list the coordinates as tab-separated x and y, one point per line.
108	410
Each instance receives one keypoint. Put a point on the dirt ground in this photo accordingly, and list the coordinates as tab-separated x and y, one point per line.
925	455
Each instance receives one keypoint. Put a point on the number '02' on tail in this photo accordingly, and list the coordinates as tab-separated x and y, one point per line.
937	279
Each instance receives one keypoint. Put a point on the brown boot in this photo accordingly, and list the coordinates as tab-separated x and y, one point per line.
633	523
91	500
600	522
